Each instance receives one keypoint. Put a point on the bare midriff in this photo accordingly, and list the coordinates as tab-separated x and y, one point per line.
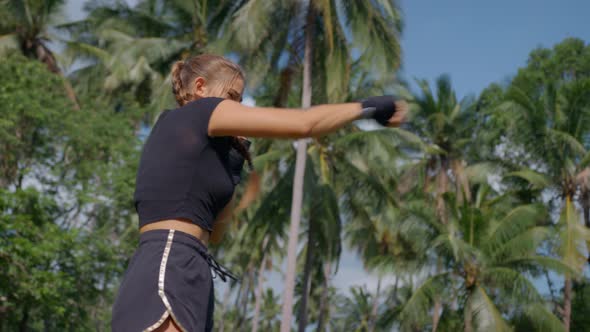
183	225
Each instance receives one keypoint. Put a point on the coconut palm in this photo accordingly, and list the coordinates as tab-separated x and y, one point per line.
132	48
446	127
488	247
270	311
559	161
255	31
347	171
357	310
26	27
553	129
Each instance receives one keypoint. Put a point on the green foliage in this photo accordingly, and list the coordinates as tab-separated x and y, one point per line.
32	109
46	282
67	179
415	203
486	251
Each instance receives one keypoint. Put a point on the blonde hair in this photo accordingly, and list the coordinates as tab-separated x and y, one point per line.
213	68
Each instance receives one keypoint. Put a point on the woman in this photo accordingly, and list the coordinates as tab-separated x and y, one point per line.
188	170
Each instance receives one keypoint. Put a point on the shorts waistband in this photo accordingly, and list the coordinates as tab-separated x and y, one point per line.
179	237
191	241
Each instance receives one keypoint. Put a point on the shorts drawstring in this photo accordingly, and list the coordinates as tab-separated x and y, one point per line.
196	244
218	269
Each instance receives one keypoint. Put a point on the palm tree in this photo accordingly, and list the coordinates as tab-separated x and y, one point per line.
356	311
132	48
25	27
447	129
297	200
319	19
488	246
267	228
552	127
346	165
270	311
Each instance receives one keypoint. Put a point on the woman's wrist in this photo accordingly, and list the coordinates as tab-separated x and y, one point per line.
379	108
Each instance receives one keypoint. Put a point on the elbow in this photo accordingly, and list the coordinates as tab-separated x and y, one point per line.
304	130
307	126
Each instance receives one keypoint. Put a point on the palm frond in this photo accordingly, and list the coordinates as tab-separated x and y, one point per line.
484	313
585	161
251	23
574	237
536	179
479	172
514	223
375	35
513	282
418	306
563	140
550	263
542	318
521	245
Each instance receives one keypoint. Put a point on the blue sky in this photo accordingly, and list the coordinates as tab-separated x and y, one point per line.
479	42
476	42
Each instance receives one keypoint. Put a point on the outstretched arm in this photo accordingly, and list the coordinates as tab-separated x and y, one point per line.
231	118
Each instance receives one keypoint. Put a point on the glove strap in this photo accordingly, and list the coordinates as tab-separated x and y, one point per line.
380	108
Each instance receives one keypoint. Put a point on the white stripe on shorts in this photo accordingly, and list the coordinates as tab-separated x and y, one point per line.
161	278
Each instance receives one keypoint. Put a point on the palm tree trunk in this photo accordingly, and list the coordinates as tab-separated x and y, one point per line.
442	188
306	279
467	321
436	314
297	201
258	295
467	312
586	208
44	55
70	92
324	298
585	203
437	302
22	326
567	303
224	307
259	286
242	292
239	295
373	320
246	298
286	77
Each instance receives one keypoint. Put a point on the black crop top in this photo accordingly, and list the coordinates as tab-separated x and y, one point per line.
183	172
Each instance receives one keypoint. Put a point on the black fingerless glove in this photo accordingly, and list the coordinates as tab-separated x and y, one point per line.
236	162
380	108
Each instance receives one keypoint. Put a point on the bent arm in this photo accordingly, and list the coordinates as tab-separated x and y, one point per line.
234	119
221	223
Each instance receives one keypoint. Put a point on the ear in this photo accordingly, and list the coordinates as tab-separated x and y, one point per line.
200	87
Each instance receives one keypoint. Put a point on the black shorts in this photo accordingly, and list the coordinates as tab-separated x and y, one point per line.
168	276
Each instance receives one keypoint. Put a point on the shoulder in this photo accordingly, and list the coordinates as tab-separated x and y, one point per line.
207	104
197	113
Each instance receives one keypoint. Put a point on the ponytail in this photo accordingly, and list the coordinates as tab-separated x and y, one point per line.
180	93
237	144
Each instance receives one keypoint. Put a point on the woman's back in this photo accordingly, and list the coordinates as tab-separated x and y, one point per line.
183	172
